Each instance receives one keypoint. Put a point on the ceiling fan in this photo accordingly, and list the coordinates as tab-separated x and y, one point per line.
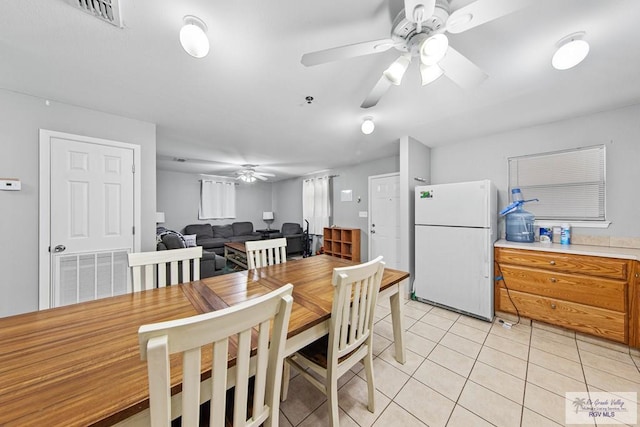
248	173
420	31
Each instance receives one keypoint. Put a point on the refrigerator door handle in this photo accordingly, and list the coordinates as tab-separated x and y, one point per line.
485	255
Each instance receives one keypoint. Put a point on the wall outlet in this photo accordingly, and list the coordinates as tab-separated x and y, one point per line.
363	214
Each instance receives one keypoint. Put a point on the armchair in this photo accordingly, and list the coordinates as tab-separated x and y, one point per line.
293	233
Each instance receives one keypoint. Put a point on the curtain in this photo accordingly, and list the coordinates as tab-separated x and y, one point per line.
217	200
316	204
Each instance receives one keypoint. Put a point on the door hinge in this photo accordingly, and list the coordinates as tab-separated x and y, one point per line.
49	248
133	168
133	230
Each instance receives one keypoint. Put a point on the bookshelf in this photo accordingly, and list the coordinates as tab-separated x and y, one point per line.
342	242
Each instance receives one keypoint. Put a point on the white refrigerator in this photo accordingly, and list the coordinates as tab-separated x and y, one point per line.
456	226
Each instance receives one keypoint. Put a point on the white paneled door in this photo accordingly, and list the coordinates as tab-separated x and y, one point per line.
91	219
384	218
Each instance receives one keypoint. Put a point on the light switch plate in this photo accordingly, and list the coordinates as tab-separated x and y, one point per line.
12	184
363	214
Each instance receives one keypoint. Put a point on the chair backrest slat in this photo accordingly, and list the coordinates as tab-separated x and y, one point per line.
261	253
355	296
146	265
187	336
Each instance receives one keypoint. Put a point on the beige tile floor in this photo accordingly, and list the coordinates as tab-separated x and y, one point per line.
463	372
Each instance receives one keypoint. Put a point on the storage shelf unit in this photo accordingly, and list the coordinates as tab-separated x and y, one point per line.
342	242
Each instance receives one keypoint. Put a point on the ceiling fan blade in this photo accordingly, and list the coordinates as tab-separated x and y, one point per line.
376	93
264	174
461	70
260	177
481	11
344	52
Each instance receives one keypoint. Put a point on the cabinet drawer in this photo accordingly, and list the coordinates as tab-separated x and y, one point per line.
613	268
578	317
589	290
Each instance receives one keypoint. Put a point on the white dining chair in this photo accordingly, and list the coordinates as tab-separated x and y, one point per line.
261	253
145	264
187	336
350	335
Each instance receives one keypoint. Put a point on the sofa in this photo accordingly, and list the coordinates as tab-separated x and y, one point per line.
211	264
294	235
213	238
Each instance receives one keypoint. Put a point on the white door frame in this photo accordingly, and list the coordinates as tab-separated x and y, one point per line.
372	177
44	214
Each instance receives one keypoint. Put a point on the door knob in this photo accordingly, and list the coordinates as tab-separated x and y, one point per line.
552	262
59	248
553	280
553	306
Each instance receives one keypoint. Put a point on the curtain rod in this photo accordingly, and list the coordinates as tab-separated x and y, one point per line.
329	176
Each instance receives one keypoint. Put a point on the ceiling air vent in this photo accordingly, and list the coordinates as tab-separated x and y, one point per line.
105	10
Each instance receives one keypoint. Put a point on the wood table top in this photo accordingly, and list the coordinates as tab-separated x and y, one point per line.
80	364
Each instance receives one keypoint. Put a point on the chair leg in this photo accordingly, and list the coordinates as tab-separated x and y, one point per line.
368	366
332	398
286	376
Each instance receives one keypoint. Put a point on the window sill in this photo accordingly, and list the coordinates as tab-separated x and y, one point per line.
576	224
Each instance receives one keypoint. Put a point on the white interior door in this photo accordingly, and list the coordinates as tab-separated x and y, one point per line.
384	218
91	219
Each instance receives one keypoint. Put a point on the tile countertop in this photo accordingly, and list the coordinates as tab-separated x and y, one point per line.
601	251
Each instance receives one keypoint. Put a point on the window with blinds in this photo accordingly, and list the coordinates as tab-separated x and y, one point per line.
570	185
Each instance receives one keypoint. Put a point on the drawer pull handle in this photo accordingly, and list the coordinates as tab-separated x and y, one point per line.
553	306
553	280
552	262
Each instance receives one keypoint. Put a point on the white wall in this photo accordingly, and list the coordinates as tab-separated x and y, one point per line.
21	118
619	130
179	198
415	162
287	196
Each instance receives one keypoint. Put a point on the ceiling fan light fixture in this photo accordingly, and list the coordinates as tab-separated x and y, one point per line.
193	37
430	73
571	51
396	71
433	49
367	126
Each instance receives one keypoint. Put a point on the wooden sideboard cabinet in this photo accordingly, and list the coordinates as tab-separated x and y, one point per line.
342	242
588	294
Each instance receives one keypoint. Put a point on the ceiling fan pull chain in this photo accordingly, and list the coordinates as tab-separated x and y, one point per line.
418	16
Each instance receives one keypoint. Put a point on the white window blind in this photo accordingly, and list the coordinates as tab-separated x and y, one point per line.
217	199
570	185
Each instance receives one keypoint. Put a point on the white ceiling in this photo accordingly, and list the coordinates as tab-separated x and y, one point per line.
245	102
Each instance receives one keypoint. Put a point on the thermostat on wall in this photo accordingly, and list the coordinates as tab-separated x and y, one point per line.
9	184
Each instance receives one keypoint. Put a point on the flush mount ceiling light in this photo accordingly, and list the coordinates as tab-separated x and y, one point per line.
571	51
367	126
193	37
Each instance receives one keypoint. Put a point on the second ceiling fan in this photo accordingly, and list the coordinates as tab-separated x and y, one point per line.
419	31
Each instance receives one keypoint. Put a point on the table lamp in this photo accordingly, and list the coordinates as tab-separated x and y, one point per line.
267	217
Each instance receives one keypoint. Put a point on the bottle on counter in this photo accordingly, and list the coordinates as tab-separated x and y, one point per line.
565	234
519	226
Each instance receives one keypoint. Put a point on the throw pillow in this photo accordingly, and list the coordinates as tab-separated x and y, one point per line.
190	240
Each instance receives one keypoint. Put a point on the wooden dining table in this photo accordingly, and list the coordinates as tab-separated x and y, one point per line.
80	365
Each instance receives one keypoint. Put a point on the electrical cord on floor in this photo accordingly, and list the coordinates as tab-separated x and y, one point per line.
504	282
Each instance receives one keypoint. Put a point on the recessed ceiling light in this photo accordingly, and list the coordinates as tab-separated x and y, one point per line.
193	37
571	51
